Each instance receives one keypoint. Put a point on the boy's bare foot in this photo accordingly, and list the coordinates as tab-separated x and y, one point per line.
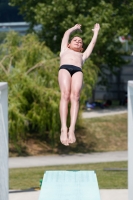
63	137
71	136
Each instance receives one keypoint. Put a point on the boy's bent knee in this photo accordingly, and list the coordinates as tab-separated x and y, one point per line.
65	95
75	96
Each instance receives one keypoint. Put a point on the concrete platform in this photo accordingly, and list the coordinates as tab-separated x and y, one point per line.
104	112
38	161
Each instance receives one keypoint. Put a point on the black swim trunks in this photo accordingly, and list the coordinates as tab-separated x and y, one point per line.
71	69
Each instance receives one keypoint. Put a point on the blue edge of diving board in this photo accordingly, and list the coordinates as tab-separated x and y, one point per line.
69	185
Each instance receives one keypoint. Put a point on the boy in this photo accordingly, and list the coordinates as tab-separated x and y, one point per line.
70	78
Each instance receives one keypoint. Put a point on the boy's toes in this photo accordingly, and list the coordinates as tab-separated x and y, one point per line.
63	137
71	138
65	142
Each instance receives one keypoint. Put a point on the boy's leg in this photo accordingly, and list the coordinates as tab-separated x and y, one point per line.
64	80
76	86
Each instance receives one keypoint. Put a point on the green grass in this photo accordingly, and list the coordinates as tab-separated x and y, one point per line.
29	177
108	133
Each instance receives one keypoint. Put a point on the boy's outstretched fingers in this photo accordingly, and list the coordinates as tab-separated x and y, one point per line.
78	27
96	27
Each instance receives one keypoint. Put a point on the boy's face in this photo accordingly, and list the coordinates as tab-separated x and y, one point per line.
76	44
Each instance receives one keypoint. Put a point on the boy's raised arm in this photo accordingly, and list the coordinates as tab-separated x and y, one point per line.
67	34
90	47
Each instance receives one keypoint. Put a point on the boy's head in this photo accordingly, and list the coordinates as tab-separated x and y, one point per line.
76	44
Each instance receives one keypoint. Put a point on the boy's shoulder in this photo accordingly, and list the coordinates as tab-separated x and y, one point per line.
68	51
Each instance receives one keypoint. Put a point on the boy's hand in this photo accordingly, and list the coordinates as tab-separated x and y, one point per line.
96	28
78	27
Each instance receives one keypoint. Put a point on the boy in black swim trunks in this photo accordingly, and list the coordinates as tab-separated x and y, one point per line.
70	78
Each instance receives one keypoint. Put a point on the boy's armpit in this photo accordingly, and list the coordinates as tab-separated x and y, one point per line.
63	49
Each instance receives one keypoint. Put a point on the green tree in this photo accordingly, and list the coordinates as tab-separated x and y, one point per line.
55	16
30	69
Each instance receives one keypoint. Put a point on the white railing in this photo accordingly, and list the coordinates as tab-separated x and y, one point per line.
4	141
130	140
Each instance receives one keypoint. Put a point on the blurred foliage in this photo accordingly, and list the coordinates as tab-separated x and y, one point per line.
31	70
2	36
55	16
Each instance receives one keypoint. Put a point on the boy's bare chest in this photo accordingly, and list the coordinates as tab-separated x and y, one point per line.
70	54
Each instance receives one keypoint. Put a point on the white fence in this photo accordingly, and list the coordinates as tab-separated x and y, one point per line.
4	141
130	140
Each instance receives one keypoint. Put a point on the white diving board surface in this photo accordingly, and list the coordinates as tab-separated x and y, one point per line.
69	185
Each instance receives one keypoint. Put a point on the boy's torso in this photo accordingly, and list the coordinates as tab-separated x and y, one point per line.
71	57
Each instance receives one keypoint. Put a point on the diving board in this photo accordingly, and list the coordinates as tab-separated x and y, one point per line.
69	185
